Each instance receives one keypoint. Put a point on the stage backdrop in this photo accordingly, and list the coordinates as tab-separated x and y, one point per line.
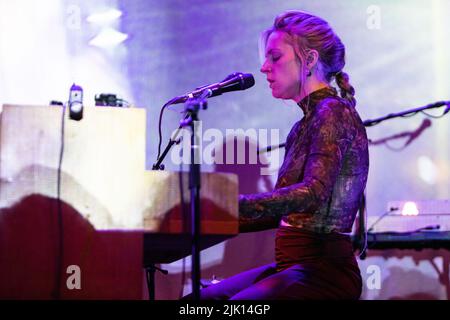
148	51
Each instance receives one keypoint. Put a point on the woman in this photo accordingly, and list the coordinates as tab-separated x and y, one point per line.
321	180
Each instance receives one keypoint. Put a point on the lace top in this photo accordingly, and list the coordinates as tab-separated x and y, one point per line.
323	175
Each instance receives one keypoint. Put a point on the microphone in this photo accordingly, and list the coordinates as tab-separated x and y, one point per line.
234	82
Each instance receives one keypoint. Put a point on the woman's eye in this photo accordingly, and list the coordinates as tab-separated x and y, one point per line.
276	58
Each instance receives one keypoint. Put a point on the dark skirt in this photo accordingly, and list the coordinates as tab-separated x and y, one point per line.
327	266
308	266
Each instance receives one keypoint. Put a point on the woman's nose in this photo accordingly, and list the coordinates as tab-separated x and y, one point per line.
264	68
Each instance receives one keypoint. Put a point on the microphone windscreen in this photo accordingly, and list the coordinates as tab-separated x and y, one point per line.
248	82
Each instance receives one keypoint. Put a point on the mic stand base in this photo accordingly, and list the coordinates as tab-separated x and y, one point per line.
150	276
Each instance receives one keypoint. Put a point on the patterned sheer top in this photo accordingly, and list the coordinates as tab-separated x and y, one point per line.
323	176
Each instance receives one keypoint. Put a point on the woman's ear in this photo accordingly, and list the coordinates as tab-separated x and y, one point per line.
312	58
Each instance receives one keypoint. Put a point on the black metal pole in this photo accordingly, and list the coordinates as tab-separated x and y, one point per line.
150	273
194	186
368	123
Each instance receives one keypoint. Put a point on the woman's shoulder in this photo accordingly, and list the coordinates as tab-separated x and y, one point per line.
339	109
335	115
332	109
333	106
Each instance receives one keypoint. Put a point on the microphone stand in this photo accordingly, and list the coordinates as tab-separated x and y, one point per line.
193	102
370	123
271	148
192	108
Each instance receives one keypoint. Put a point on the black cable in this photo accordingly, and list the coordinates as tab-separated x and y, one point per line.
159	131
362	224
433	116
60	242
122	101
394	148
380	218
159	127
402	233
409	115
428	228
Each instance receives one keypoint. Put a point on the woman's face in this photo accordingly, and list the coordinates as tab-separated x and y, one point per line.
282	67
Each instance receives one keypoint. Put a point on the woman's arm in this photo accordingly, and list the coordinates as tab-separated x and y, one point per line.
332	131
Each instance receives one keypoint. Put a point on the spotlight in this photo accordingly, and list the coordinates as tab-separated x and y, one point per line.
410	209
108	37
104	17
